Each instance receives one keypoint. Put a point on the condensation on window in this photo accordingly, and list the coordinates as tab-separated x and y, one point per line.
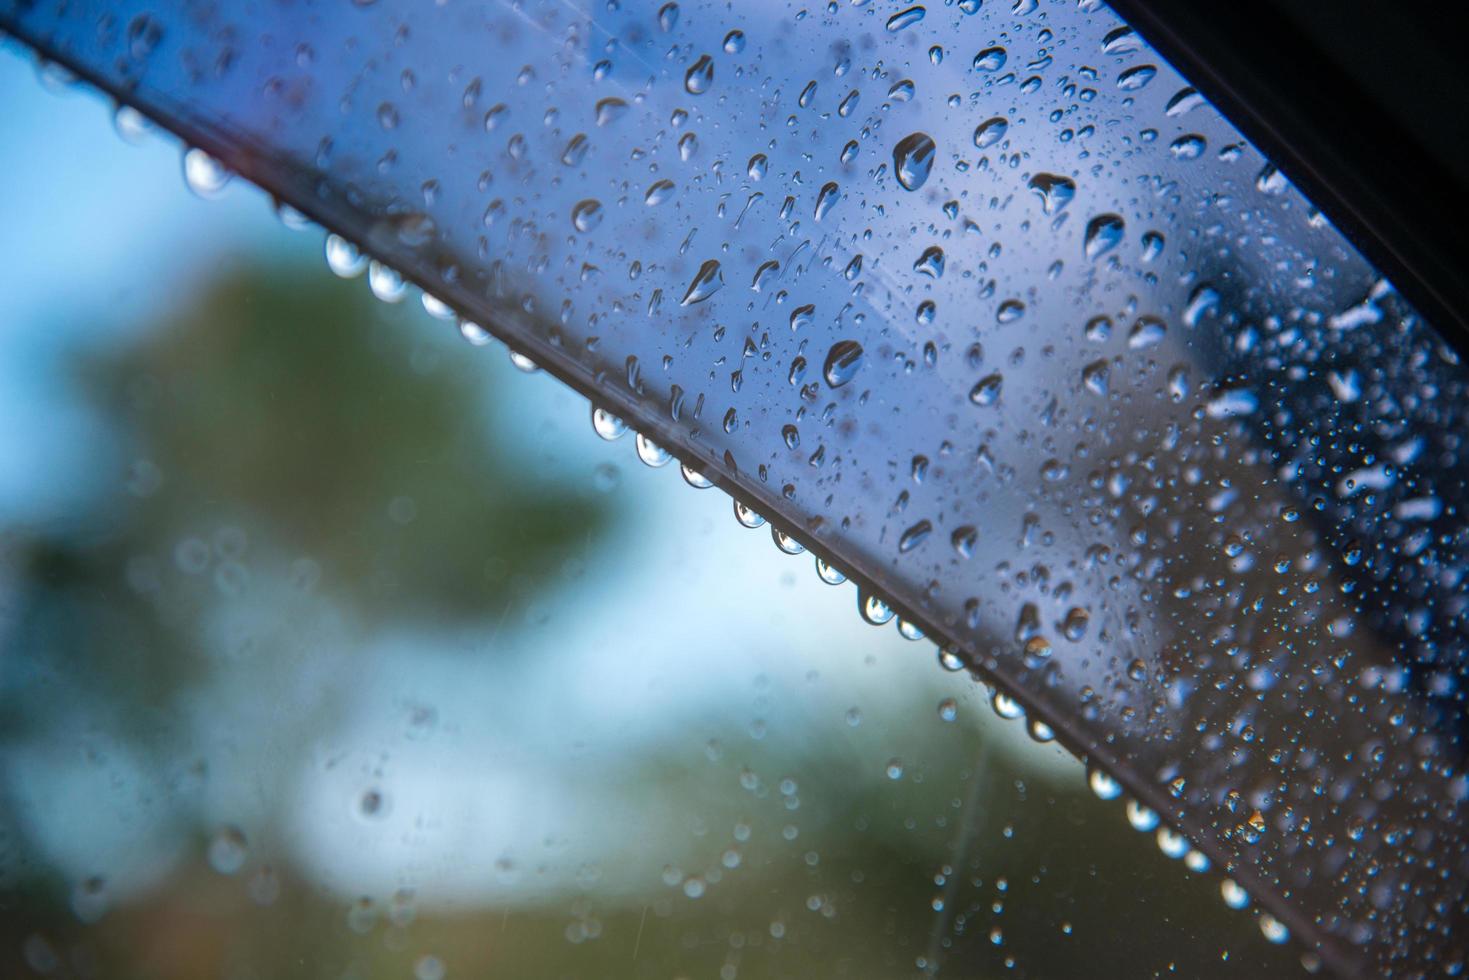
984	305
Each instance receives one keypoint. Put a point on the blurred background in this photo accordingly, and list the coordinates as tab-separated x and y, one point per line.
332	645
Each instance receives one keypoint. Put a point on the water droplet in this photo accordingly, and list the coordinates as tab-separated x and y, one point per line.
914	536
1135	78
586	215
1185	100
905	18
385	282
699	76
963	540
706	282
734	42
474	334
694	478
1234	896
1009	311
228	850
991	131
930	263
1121	40
651	453
757	166
987	390
1147	331
203	174
990	59
894	769
1102	235
873	609
610	110
827	199
658	192
913	159
829	574
1189	146
1005	706
842	362
1152	245
576	150
607	425
1103	785
1055	192
1141	818
343	258
948	709
747	516
848	103
785	542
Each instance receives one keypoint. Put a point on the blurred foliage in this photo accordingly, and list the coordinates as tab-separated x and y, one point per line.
282	425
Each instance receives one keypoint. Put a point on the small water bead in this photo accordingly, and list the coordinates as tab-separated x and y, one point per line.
827	199
1196	861
987	390
607	425
1185	100
436	307
1103	233
909	631
694	478
1190	146
1121	40
476	335
913	160
914	536
1272	929
651	453
1009	311
668	17
746	515
609	110
757	166
936	55
1135	78
1152	245
700	76
848	103
990	59
228	850
1172	844
522	363
843	362
1103	785
706	282
343	258
785	542
963	539
1005	706
1054	191
930	263
203	174
894	769
130	124
1147	331
658	192
873	609
950	660
948	709
1040	731
1141	817
1234	896
991	131
385	282
734	42
828	573
586	215
576	150
905	18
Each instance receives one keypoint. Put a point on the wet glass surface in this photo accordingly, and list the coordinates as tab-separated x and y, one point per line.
983	304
